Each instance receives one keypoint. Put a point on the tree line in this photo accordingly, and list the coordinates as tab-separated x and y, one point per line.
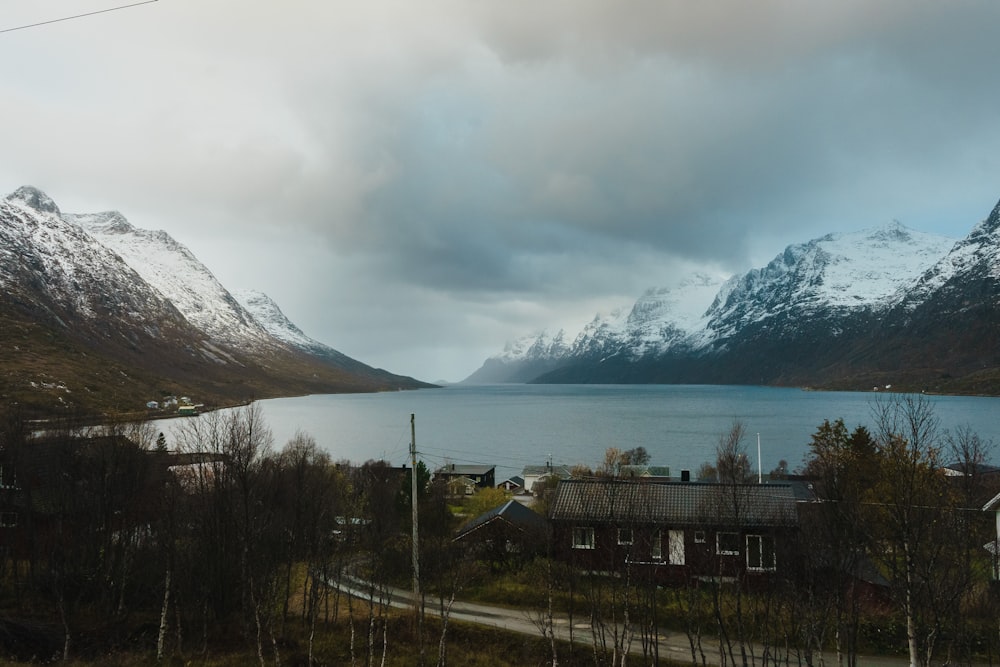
213	536
888	554
220	535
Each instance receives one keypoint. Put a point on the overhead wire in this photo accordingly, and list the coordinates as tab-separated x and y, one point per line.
77	16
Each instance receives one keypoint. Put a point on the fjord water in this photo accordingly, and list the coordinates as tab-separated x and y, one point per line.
511	426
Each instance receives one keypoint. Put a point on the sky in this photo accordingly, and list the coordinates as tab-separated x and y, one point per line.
417	183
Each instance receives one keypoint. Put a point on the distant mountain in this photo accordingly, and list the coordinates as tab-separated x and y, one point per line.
856	310
523	359
267	313
100	315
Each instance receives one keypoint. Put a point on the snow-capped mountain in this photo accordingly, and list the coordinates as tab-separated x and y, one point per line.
831	277
177	274
974	259
662	320
523	359
844	310
267	314
101	315
265	311
55	268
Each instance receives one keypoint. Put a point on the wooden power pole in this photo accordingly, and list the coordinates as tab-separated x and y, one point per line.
413	503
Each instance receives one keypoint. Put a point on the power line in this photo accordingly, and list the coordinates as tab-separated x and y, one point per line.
77	16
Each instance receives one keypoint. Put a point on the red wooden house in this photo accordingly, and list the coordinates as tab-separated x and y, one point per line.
676	532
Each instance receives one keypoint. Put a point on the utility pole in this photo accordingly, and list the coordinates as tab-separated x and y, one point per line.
760	469
413	503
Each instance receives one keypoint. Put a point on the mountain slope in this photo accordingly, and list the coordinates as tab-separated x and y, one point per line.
883	306
946	330
827	279
267	313
523	359
662	319
83	329
177	274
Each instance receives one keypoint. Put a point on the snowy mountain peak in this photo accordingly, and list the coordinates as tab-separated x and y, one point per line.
269	315
539	345
173	270
108	222
987	229
865	269
820	288
34	198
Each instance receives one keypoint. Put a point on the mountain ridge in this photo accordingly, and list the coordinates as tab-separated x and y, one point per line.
842	311
103	316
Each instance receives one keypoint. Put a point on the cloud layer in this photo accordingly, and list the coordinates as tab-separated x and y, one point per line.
415	183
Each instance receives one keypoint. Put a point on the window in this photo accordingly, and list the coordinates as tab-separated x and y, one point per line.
699	537
624	536
656	552
583	538
676	538
727	544
760	552
8	519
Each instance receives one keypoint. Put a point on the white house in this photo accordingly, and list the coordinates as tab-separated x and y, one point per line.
533	474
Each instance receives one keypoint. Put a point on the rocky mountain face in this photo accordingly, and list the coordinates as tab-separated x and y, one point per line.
858	310
100	315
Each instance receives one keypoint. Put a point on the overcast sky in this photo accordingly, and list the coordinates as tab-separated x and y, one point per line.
416	183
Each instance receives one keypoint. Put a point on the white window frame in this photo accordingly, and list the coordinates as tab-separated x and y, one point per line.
656	547
764	544
727	552
625	536
583	537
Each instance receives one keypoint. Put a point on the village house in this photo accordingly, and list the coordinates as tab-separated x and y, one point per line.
676	532
534	474
508	533
467	477
513	484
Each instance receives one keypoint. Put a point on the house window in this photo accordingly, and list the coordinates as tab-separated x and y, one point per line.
624	536
760	552
583	538
727	544
8	519
676	538
699	537
657	548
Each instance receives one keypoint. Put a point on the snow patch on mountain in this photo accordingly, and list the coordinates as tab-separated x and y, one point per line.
836	273
539	345
267	313
58	258
978	252
824	279
173	270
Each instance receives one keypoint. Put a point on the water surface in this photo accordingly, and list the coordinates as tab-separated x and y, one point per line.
511	426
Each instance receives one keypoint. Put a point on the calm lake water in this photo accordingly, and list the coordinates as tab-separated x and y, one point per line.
511	426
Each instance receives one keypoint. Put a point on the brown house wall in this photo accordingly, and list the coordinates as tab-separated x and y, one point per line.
700	558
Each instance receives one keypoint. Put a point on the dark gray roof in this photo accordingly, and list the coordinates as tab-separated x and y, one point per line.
512	512
467	470
675	503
